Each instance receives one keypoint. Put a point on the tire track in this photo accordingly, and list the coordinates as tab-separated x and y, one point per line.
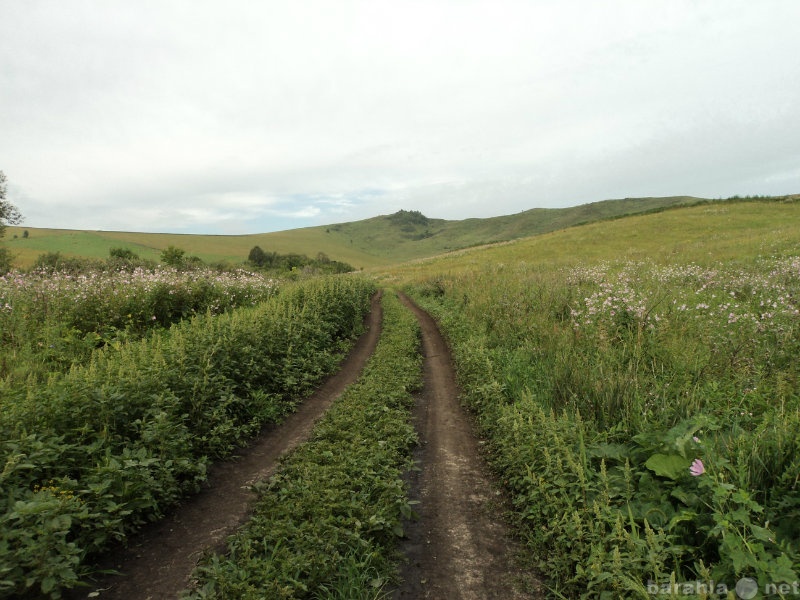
158	561
459	548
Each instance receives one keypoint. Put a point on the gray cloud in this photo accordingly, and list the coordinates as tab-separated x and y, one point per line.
187	116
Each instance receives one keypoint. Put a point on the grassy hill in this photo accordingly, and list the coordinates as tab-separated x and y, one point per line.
705	234
374	242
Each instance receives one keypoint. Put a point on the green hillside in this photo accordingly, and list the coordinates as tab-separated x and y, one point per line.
375	242
706	234
400	237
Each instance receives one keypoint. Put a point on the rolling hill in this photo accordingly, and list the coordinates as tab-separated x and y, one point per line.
704	234
375	242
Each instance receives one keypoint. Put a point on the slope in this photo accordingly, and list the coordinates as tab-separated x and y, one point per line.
374	242
704	234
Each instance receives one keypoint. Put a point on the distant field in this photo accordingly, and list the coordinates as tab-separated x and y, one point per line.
210	248
373	242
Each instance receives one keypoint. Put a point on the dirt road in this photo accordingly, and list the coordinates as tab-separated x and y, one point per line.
459	548
158	562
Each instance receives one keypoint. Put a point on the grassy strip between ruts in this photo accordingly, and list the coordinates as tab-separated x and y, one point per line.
325	525
95	453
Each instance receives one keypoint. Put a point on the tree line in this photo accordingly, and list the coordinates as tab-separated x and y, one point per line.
273	261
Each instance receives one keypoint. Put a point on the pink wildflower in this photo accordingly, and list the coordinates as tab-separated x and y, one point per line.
697	468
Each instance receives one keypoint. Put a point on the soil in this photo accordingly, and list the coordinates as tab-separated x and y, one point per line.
158	561
459	548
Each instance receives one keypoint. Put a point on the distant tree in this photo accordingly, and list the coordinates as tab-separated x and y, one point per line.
409	217
172	256
293	261
49	261
25	234
257	256
9	214
55	261
123	254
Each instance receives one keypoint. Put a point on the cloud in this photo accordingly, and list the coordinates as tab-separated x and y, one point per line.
188	116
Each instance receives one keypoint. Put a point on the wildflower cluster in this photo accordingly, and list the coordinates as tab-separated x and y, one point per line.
52	320
53	489
44	294
645	294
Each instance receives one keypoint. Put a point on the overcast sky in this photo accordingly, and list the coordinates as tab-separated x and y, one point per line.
251	116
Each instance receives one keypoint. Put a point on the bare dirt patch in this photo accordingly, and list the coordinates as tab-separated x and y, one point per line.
460	547
158	561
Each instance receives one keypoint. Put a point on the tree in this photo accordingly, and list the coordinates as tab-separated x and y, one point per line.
9	214
173	256
123	254
257	256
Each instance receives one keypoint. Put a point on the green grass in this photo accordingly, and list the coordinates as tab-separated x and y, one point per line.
233	249
374	242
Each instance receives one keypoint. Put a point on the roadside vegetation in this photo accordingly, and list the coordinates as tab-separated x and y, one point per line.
91	454
54	316
326	524
644	413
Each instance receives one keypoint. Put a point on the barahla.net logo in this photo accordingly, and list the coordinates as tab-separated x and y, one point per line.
746	588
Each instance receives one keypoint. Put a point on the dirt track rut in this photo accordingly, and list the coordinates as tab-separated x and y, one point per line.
459	548
158	562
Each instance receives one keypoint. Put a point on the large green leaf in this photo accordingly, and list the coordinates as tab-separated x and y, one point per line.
668	465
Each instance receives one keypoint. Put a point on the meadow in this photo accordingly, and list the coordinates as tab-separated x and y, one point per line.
638	384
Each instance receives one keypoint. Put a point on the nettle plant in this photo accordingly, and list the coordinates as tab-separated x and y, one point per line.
694	496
